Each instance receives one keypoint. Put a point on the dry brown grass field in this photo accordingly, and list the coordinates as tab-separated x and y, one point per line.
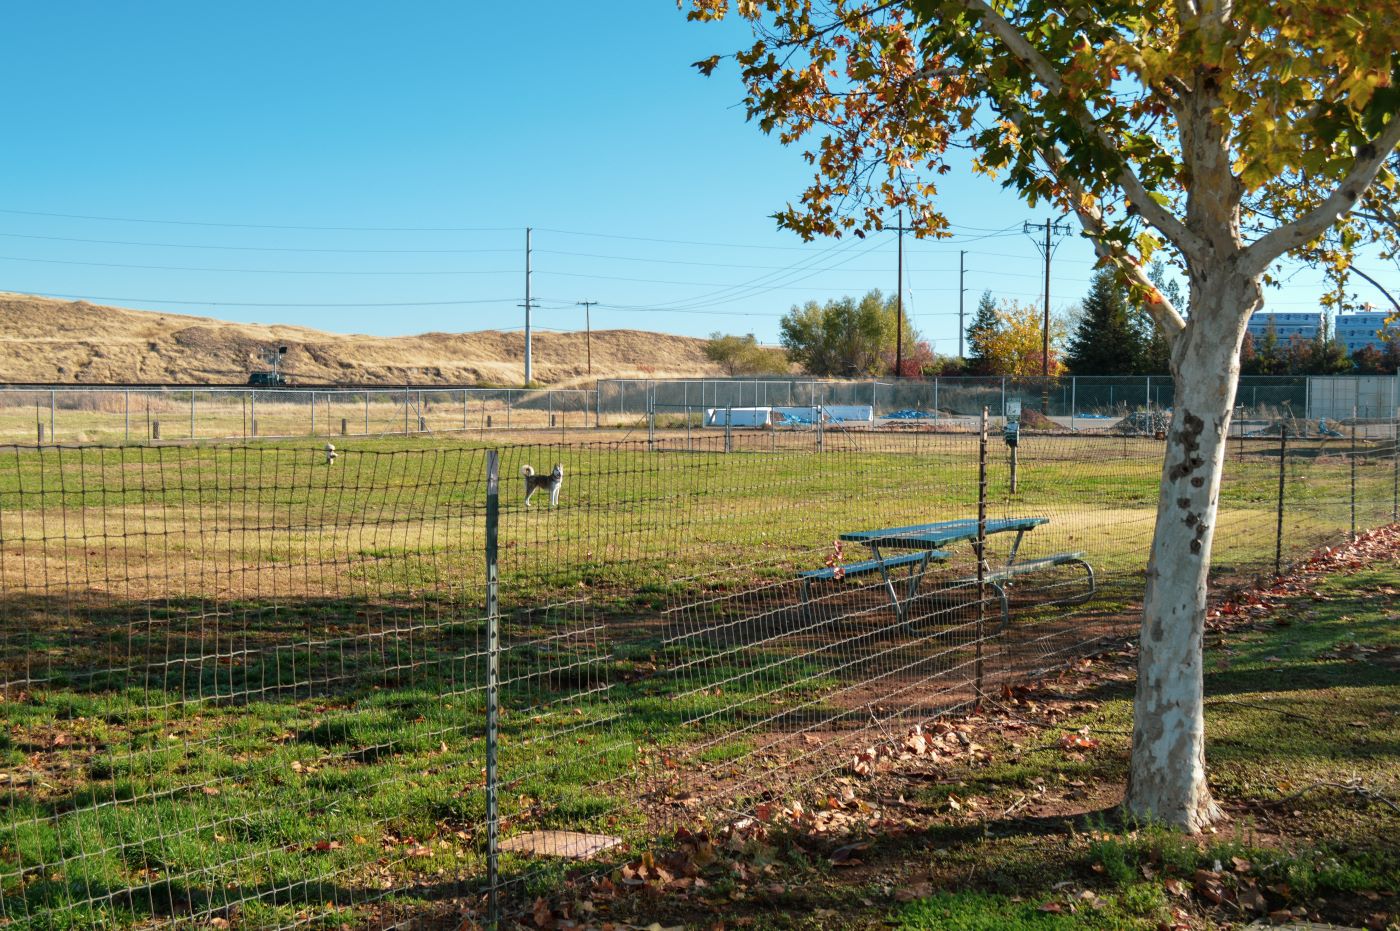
52	341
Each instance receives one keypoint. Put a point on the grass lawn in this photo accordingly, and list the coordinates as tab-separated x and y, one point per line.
241	685
1022	833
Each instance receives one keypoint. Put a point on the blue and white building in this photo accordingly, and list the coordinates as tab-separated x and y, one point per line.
1362	328
1286	325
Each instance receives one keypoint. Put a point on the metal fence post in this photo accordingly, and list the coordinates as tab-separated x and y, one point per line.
728	429
1278	533
651	425
464	410
252	412
493	684
1073	400
981	546
126	414
1395	469
53	407
1353	474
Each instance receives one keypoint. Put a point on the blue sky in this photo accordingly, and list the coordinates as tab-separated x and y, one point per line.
313	155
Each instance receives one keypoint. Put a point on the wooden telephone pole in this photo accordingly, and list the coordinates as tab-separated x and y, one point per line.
588	331
901	229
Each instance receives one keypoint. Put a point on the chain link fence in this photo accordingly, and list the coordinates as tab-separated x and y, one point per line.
254	687
1073	403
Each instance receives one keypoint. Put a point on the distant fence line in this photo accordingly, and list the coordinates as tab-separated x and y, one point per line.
1079	399
138	414
79	413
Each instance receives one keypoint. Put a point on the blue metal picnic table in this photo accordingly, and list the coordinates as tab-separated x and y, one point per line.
943	533
925	541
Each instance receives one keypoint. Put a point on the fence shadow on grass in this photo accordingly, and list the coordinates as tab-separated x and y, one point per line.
237	679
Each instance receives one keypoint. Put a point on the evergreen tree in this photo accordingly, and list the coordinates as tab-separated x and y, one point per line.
1328	354
1156	358
1106	341
1268	353
984	326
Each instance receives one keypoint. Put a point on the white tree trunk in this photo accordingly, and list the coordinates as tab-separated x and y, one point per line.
1167	778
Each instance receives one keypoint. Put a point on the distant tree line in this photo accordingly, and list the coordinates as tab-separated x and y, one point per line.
742	355
1110	333
1323	354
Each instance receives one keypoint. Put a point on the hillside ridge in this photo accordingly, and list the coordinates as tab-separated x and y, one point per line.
76	342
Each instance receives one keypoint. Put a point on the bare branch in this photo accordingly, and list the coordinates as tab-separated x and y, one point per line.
1090	215
1184	239
1369	161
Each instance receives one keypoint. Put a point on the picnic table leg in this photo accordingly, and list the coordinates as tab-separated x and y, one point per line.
916	575
1005	607
1015	546
889	583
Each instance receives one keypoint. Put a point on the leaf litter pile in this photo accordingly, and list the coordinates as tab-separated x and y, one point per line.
938	807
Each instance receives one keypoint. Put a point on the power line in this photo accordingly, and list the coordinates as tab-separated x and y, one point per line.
759	286
994	234
492	271
206	303
268	226
255	271
186	245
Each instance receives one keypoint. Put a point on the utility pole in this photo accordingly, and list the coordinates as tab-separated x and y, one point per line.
899	302
1052	228
588	331
962	290
529	373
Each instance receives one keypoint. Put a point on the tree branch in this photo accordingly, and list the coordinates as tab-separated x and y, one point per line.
1136	194
1167	317
1370	159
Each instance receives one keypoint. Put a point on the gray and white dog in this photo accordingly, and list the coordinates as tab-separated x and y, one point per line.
533	483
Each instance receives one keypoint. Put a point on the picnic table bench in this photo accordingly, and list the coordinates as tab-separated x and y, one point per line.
925	542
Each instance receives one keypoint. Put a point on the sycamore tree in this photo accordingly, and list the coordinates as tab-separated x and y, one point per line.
1232	133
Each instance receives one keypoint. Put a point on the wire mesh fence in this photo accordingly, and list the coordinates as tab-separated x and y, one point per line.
258	686
73	414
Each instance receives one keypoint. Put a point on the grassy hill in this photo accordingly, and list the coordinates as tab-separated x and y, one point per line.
46	340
